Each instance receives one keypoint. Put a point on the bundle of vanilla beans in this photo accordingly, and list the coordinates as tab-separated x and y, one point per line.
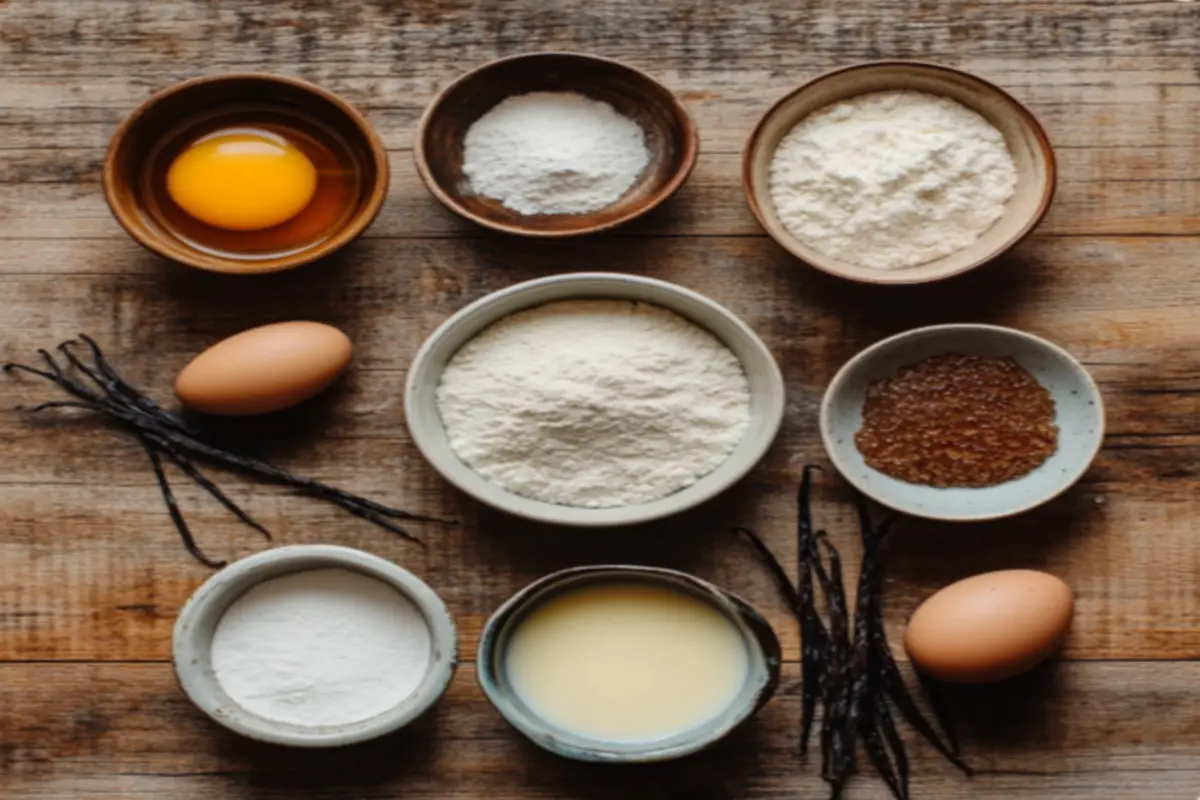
95	386
846	663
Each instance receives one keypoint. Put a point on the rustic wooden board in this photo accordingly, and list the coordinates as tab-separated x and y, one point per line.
93	576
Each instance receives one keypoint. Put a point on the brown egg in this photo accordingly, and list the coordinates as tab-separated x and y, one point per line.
989	627
264	369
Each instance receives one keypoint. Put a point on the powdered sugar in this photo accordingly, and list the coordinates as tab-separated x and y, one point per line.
553	153
321	647
594	403
891	179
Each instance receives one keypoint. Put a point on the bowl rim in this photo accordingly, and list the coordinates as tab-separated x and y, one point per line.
691	150
217	264
834	391
897	277
764	668
454	471
191	649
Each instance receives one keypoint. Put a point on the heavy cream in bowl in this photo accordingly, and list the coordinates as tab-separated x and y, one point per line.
619	663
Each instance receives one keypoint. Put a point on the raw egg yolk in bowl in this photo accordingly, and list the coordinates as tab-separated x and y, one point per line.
242	180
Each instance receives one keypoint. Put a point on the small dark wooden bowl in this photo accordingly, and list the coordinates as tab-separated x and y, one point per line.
163	112
670	137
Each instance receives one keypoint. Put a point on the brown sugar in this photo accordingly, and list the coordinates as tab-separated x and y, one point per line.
955	420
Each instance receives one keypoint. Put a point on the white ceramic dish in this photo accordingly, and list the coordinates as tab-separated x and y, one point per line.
199	617
425	424
1079	414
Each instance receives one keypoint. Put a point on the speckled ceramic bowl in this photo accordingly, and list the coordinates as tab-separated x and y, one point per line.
767	394
192	646
1079	414
761	681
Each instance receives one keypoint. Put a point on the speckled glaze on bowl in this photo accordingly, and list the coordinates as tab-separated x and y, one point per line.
767	395
762	679
1079	414
1024	135
192	644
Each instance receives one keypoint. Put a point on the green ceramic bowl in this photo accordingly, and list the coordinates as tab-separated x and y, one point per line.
761	680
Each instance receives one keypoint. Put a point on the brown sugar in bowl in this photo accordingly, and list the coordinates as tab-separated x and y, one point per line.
670	133
163	113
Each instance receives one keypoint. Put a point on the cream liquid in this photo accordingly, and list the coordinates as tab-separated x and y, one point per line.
626	662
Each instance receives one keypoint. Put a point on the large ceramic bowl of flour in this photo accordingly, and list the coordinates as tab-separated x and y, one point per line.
594	399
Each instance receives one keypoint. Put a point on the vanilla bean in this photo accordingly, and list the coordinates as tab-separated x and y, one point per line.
185	534
815	641
205	483
836	724
775	568
101	389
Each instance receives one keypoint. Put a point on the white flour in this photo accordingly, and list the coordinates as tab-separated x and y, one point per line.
553	153
891	179
322	647
594	403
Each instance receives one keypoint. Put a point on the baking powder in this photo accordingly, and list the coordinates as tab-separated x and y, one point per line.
891	179
594	403
553	153
321	647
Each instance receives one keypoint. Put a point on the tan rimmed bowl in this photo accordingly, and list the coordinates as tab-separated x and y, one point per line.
1026	140
162	114
669	131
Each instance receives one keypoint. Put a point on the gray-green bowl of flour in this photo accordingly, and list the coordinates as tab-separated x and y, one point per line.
594	399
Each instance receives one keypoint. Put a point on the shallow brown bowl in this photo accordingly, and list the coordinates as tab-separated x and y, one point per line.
670	137
1026	140
165	111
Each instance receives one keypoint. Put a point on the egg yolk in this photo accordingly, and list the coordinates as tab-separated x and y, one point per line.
244	180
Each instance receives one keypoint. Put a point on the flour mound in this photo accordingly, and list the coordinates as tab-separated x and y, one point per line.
891	179
553	153
594	403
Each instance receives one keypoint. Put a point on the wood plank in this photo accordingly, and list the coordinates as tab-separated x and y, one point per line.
104	579
92	36
125	730
1157	196
93	570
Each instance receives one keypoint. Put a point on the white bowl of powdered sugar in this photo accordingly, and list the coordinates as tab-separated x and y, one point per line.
314	646
594	399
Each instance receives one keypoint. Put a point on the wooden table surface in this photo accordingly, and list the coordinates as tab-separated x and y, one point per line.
92	575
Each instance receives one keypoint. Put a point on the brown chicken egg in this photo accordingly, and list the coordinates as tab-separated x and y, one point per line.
989	627
264	369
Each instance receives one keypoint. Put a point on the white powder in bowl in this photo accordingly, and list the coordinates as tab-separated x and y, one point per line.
594	403
553	153
891	179
321	647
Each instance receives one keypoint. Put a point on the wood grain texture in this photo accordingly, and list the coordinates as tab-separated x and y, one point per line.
1069	732
92	576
